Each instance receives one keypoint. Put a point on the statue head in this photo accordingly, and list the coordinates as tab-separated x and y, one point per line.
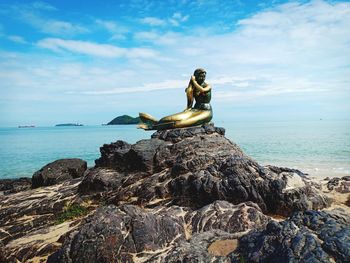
200	74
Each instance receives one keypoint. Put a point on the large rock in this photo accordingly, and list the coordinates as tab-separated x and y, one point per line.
132	234
28	225
195	166
341	185
227	217
311	236
58	171
100	180
29	210
185	195
10	186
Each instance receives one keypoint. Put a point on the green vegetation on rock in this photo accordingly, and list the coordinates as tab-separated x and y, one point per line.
241	259
70	212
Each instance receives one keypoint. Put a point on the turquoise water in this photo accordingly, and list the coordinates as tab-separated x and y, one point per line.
320	148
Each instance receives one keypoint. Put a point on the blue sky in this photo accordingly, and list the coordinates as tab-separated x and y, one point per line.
61	61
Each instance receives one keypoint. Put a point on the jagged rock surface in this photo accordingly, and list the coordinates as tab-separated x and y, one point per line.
185	195
10	186
27	227
194	167
132	234
311	236
341	185
100	180
58	171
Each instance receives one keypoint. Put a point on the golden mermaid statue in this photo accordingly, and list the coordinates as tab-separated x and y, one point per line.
200	113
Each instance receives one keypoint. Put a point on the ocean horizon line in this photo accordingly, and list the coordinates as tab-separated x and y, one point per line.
218	121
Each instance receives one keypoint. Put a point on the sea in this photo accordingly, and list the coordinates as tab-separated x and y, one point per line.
319	148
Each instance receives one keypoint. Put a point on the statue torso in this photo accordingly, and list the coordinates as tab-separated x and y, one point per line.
203	99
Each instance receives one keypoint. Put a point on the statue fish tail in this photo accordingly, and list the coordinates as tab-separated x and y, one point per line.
147	121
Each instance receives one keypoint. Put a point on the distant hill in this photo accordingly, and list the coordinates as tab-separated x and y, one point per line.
124	119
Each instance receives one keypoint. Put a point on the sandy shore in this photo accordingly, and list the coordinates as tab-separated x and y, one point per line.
316	171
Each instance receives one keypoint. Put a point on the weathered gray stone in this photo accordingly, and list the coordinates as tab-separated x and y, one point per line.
132	234
100	180
341	185
58	171
10	186
310	236
185	195
195	166
27	220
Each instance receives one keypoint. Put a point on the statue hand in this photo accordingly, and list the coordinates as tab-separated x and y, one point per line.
193	78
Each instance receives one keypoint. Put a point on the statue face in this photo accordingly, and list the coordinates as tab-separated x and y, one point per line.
200	77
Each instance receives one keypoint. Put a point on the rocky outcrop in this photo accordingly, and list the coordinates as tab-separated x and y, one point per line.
58	171
195	166
341	185
100	180
185	195
40	204
27	220
132	234
10	186
311	236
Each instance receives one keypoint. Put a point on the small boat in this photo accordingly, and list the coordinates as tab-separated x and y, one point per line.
26	126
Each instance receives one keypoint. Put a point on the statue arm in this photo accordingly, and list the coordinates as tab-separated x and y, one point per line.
199	87
189	94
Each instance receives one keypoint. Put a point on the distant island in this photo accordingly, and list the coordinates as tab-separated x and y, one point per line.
68	124
26	126
124	119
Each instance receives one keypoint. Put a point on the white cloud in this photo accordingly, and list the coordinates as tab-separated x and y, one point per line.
118	32
82	47
166	39
94	49
153	21
148	36
58	27
284	53
37	15
109	25
43	6
163	85
17	39
175	20
293	48
261	87
178	18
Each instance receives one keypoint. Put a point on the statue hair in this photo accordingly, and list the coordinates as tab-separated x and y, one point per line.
198	71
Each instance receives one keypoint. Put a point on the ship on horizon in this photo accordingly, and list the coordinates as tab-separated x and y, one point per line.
68	124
